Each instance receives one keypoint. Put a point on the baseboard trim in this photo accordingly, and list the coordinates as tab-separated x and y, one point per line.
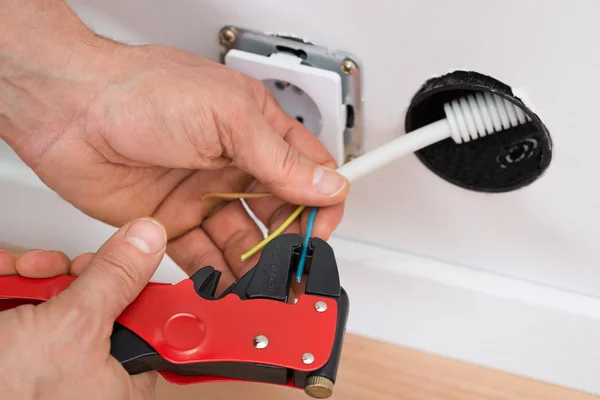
471	315
464	277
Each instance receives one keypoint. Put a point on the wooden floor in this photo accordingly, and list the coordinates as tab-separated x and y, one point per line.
374	370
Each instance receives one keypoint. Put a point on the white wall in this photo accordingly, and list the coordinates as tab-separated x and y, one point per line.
544	233
516	288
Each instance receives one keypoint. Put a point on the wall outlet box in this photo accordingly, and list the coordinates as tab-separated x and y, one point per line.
317	86
311	95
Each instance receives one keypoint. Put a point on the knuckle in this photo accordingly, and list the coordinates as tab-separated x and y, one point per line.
241	107
289	161
207	145
230	114
233	104
121	268
261	95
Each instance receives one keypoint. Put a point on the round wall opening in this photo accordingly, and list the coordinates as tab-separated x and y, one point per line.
501	162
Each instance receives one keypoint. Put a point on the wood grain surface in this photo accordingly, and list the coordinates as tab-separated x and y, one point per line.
374	370
371	369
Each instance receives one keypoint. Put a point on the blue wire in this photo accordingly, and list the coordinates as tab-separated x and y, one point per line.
309	228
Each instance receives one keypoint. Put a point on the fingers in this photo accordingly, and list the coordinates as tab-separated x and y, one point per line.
297	135
42	264
196	250
326	221
80	262
272	211
35	264
234	233
119	271
7	264
185	209
262	152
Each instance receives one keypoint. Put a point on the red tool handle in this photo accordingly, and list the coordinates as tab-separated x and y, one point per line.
186	328
16	290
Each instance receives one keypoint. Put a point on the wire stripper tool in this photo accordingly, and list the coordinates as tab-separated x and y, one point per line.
250	332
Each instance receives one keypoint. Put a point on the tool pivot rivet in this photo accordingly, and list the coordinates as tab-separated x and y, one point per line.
308	358
261	341
320	306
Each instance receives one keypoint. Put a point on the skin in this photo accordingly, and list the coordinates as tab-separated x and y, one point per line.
60	349
124	132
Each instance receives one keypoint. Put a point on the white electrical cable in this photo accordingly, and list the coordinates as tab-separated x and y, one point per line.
467	119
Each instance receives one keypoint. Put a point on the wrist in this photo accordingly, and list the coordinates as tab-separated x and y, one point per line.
50	63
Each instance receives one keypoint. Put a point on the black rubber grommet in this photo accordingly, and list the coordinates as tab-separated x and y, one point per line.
501	162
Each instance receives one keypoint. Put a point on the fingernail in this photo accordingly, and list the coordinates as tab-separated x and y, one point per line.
146	235
328	182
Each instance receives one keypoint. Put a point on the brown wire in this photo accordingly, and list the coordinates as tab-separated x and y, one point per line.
242	195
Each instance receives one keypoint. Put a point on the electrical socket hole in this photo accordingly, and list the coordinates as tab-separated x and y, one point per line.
296	103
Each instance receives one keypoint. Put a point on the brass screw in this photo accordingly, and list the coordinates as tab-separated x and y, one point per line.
348	67
318	387
227	35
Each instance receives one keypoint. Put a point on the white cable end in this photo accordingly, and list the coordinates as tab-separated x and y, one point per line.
481	114
468	118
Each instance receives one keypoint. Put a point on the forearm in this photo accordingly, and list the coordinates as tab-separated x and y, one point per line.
44	49
37	32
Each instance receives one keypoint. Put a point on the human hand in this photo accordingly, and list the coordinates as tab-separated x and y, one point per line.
124	132
60	349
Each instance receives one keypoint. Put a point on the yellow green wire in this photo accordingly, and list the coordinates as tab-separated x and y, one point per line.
275	233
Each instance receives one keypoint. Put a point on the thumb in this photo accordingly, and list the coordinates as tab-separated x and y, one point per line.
286	173
119	270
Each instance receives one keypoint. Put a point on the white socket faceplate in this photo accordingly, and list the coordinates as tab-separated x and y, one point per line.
323	87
